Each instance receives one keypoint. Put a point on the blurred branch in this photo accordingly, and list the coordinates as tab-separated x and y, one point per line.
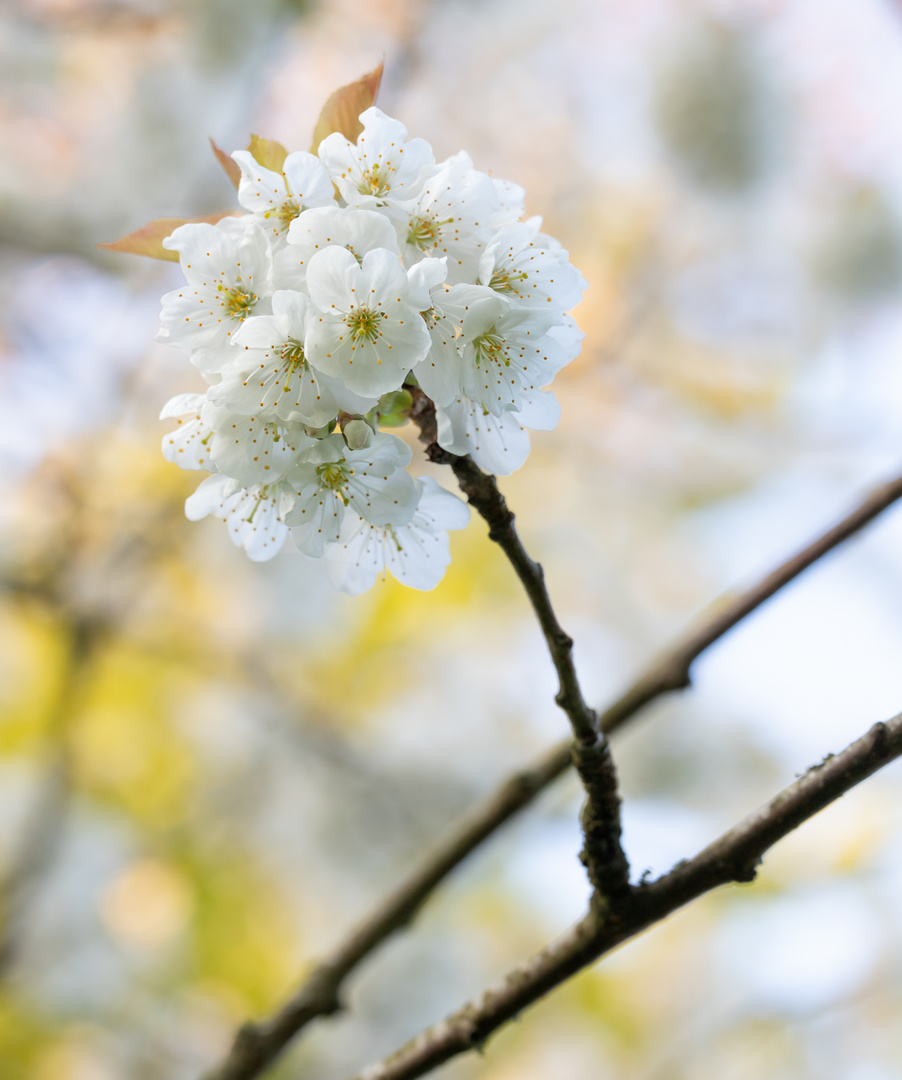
257	1045
734	857
43	828
55	579
672	669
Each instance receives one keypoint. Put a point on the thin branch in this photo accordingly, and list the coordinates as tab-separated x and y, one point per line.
734	857
482	493
671	671
602	853
257	1045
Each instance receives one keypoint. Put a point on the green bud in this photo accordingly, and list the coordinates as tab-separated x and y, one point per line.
358	434
393	403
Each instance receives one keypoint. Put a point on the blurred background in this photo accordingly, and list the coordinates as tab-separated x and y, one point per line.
209	768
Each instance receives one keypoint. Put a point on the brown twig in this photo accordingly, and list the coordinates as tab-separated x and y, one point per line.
257	1045
734	857
602	853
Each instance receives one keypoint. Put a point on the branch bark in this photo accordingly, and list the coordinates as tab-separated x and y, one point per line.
602	855
257	1045
733	857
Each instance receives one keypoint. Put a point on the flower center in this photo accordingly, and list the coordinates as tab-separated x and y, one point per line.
490	348
364	323
236	303
285	214
292	354
373	182
423	232
504	281
334	476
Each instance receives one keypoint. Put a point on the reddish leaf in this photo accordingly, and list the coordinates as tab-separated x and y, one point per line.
344	106
270	154
229	167
149	239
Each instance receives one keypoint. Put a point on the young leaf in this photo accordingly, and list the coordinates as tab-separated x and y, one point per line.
270	154
344	106
229	167
148	240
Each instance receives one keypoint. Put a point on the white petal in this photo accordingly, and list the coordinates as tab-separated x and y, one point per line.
499	444
209	497
182	405
332	277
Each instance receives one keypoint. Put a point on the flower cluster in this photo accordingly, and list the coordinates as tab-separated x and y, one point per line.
354	273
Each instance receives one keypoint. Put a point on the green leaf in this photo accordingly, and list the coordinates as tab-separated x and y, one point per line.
341	111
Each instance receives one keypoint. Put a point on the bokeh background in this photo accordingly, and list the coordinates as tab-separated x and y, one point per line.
209	769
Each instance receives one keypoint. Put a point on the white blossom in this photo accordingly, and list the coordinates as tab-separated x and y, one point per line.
332	478
506	354
382	167
449	218
352	272
498	444
441	373
228	277
270	374
526	267
251	514
277	198
359	231
187	446
417	553
254	449
368	334
511	198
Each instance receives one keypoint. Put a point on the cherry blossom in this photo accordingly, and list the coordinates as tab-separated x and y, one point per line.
382	167
228	278
417	553
355	275
276	199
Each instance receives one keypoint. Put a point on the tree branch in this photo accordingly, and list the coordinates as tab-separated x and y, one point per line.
257	1045
602	854
734	857
671	671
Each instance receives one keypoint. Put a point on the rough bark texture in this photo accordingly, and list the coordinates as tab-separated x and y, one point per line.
734	857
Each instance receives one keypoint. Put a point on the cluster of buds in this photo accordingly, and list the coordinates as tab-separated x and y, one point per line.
356	274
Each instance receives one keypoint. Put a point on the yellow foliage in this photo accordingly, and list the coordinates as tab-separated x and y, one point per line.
127	749
242	944
35	658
